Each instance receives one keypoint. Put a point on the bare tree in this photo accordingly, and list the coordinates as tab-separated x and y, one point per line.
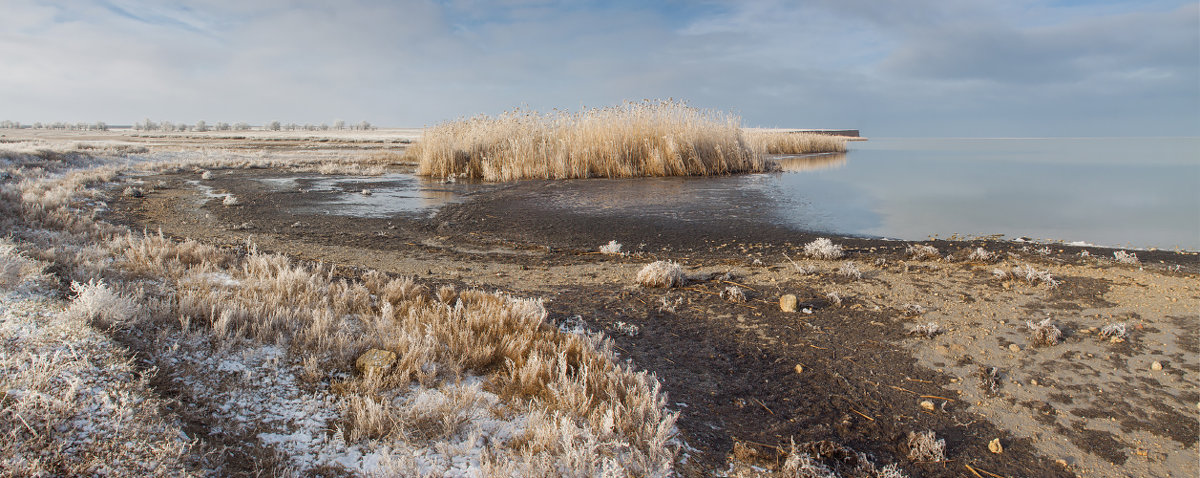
201	126
274	126
339	124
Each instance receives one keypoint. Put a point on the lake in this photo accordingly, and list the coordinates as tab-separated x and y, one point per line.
1126	192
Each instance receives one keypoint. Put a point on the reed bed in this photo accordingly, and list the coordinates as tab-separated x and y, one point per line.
648	138
795	142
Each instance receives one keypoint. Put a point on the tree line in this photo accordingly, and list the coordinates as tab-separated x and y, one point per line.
150	125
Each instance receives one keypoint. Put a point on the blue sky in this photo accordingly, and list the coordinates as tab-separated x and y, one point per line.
913	68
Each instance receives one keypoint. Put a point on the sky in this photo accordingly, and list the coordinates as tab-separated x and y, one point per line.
974	68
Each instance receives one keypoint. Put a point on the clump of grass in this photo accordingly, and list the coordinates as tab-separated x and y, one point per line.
929	330
1043	333
734	294
1125	257
1114	332
981	255
206	175
849	270
834	298
926	446
989	378
912	310
649	138
661	274
613	247
134	192
230	200
823	248
795	142
1030	275
922	251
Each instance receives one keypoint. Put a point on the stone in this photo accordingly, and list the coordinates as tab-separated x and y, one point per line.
1014	347
928	405
788	303
995	446
375	362
799	368
1156	366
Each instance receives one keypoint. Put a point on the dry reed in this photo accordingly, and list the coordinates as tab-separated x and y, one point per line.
648	138
795	142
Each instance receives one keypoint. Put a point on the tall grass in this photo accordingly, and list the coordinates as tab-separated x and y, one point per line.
648	138
795	142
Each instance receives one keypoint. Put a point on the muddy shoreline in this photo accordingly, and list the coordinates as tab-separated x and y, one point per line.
730	369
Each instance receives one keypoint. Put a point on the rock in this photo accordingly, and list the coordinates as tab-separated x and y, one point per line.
928	405
995	446
1156	366
375	362
1014	347
799	368
788	303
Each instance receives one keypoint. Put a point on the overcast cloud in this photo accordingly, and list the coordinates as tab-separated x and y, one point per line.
913	68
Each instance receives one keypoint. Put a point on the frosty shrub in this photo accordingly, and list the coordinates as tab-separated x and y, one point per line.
823	248
661	274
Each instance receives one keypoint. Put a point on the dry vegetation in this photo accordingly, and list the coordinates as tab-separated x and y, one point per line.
649	138
795	142
260	349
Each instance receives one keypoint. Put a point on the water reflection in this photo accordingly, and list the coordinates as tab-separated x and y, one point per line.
810	162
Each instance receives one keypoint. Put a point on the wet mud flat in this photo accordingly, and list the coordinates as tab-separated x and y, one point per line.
843	372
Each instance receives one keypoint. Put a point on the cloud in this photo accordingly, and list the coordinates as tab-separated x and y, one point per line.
911	68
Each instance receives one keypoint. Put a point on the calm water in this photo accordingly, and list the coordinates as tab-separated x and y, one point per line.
1132	192
1121	192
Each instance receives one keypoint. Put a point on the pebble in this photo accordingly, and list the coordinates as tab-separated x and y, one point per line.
1014	347
928	405
788	303
995	446
799	368
1156	366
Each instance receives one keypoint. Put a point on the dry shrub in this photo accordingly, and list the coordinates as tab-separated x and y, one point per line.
661	274
1114	332
734	294
1043	333
1125	257
926	446
849	270
613	247
795	142
819	459
650	138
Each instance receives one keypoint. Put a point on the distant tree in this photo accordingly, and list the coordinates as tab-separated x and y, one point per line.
241	126
100	126
37	125
364	125
324	126
201	126
166	126
339	124
274	126
221	126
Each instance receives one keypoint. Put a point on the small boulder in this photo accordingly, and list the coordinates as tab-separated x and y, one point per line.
788	303
995	446
375	362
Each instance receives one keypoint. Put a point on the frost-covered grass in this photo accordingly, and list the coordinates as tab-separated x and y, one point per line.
71	402
849	270
922	251
1124	257
926	446
649	138
1043	333
661	274
257	350
613	247
823	248
1029	274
